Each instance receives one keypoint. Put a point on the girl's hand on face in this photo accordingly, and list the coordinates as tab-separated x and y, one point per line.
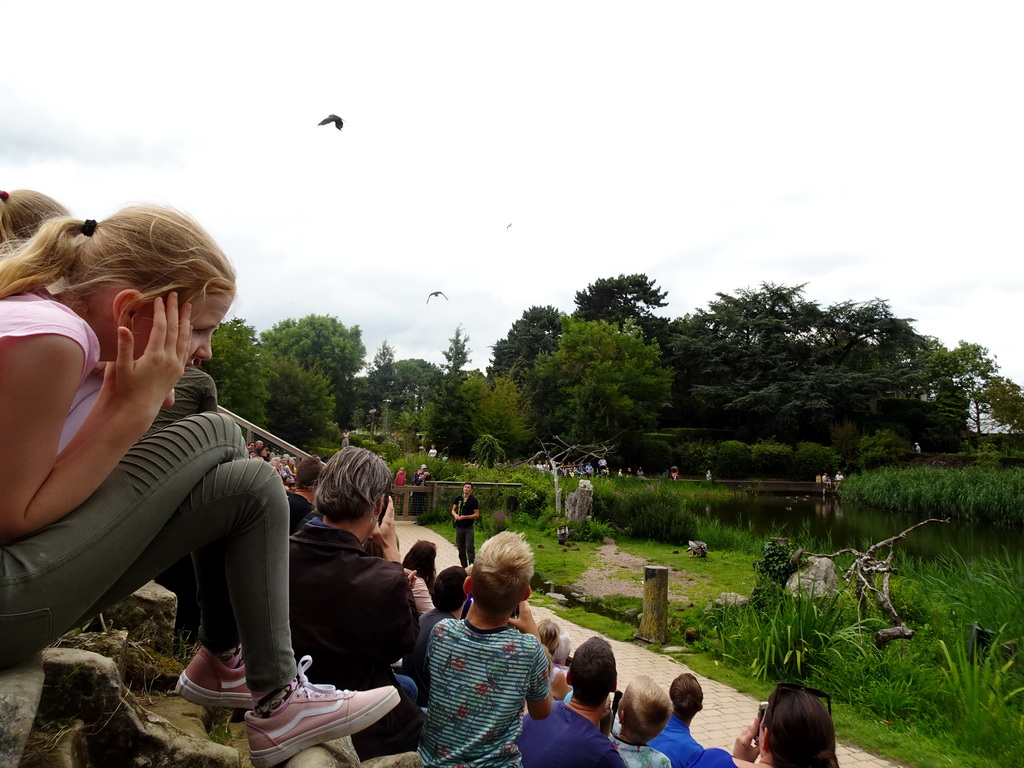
149	380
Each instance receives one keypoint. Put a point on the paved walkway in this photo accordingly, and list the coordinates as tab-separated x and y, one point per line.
726	711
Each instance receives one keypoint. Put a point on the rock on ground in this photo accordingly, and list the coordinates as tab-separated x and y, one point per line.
87	686
20	689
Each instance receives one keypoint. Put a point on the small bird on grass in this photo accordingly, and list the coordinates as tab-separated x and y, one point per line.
436	293
338	122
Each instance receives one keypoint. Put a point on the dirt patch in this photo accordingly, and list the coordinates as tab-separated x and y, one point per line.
620	573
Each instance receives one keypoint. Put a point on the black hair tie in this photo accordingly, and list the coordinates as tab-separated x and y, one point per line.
88	227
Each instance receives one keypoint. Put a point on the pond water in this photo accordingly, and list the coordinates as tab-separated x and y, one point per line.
849	524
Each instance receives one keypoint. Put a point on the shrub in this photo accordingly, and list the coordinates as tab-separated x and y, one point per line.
696	434
811	459
591	530
488	450
846	442
652	512
655	455
733	459
496	522
882	448
694	458
775	565
771	459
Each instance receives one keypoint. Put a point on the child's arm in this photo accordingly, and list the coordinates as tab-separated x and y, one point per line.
540	708
525	623
38	380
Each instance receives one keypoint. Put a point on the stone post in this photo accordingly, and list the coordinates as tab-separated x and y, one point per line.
654	621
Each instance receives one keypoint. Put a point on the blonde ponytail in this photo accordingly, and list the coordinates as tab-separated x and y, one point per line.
23	211
153	249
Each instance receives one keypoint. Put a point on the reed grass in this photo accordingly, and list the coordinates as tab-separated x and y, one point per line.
970	493
926	685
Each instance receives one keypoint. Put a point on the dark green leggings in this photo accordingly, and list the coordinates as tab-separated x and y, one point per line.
187	488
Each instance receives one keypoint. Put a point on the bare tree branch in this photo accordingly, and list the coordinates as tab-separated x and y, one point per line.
863	572
556	452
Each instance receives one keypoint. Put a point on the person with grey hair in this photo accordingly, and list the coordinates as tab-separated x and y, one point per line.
352	612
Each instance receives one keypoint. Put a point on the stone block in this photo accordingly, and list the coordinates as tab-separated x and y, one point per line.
85	685
148	615
21	687
64	748
818	579
404	760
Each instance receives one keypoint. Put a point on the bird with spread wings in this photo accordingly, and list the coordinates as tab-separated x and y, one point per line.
338	122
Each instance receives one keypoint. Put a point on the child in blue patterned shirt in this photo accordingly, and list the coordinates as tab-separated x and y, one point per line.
485	666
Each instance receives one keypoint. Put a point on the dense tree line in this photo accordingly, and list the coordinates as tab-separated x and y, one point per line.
760	364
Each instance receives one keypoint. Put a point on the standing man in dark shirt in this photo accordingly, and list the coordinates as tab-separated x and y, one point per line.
465	509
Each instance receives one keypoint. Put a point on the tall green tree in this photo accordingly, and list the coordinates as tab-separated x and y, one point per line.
1006	398
501	410
322	341
450	415
237	368
381	376
534	334
960	378
610	380
770	362
414	380
301	406
626	297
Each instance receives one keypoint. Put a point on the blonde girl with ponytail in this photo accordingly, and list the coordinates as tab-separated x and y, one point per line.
96	512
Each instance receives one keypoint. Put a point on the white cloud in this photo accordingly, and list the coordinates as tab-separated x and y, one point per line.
869	151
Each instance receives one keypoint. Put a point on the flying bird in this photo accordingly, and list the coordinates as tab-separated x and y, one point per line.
508	227
436	293
338	122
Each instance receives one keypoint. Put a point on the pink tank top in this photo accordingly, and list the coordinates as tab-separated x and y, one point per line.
33	315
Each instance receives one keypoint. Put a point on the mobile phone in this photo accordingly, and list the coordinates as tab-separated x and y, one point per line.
760	716
616	698
383	510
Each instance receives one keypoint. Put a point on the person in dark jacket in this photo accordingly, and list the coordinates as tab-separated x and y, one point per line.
352	612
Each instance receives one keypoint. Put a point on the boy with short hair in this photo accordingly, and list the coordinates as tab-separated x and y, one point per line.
675	741
643	714
482	670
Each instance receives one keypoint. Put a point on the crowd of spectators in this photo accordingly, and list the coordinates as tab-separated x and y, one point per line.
464	651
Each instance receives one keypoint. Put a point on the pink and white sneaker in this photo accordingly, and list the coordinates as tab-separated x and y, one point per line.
311	715
209	681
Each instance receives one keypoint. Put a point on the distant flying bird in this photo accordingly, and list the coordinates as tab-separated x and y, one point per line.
508	227
338	122
436	293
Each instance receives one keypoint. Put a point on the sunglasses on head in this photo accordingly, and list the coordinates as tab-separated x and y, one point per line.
806	689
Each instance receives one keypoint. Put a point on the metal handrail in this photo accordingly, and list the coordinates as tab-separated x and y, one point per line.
253	432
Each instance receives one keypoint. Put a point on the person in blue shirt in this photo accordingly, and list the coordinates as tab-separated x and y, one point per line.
675	741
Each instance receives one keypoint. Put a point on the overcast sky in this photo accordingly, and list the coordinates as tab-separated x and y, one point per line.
869	150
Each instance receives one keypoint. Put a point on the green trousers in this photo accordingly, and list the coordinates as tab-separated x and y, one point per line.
188	488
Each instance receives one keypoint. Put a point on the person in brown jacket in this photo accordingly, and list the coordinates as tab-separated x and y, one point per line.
352	612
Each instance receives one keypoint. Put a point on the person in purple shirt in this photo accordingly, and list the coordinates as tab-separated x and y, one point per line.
675	741
570	737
